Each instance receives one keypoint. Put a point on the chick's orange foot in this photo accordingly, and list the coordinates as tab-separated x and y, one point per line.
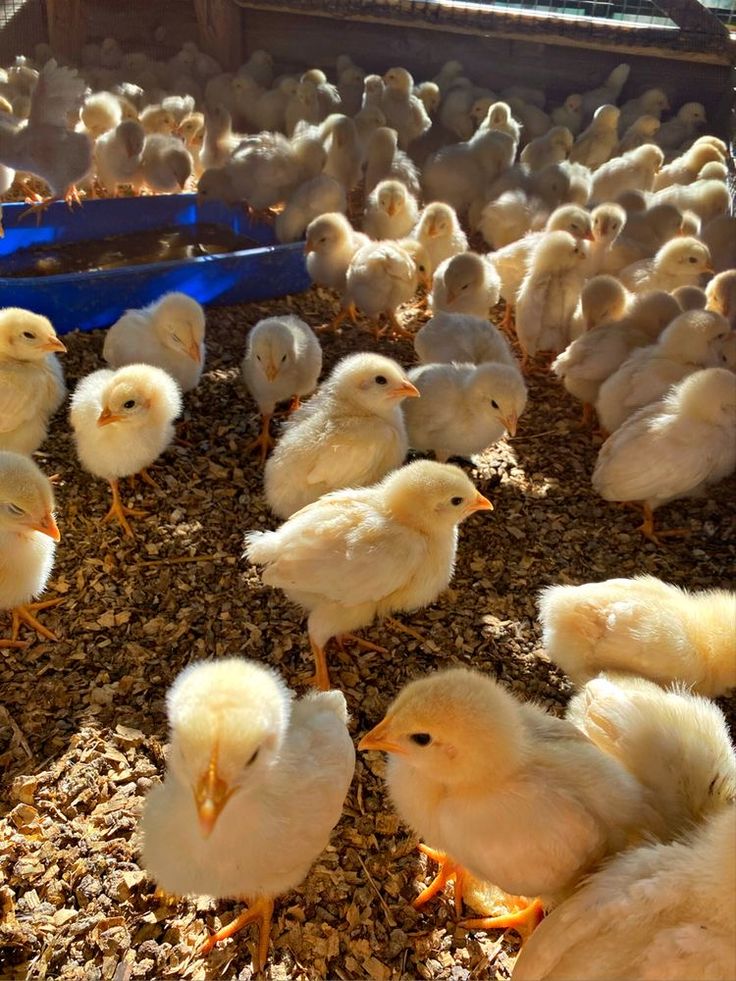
264	441
648	530
524	921
448	872
25	614
120	513
260	912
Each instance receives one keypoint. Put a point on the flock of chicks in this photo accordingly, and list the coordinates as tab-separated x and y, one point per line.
617	820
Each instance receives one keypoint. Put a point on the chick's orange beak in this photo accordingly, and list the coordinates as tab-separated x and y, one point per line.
405	391
391	210
510	422
54	344
194	352
432	230
47	526
308	247
106	417
710	269
271	371
589	237
480	503
377	740
210	795
451	296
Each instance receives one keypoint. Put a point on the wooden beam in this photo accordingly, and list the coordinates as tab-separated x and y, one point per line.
220	31
67	27
690	15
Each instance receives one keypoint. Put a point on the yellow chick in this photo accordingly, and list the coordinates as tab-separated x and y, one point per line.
684	126
166	164
31	379
655	911
597	143
607	221
384	161
550	293
381	276
690	298
607	93
458	174
706	198
463	408
461	337
466	283
603	300
122	422
691	341
687	167
403	111
243	752
553	147
439	231
674	448
390	211
156	120
641	131
350	434
509	793
28	537
645	627
282	361
360	553
310	200
635	170
168	334
653	102
570	114
679	262
498	117
100	112
331	244
721	295
118	156
645	232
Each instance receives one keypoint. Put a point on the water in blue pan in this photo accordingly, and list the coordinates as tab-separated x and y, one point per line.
83	268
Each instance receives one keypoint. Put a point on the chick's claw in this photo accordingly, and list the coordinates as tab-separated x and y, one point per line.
448	872
261	912
524	921
264	441
24	614
120	513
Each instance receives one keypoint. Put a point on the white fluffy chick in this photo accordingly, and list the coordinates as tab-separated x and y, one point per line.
31	379
509	217
331	244
439	231
498	117
157	121
706	198
122	422
720	237
553	147
652	102
657	910
641	131
466	283
319	196
384	161
344	153
607	93
461	337
603	300
645	231
459	174
635	170
684	126
118	156
688	166
350	434
597	143
100	112
390	211
570	114
282	361
607	223
166	164
381	276
463	408
594	356
550	293
360	553
673	448
721	295
168	333
643	627
691	341
679	262
404	112
28	537
690	297
242	751
510	794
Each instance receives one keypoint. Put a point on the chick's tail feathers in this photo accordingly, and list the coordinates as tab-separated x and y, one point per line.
260	547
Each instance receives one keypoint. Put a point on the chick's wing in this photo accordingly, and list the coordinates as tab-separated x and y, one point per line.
350	458
18	400
58	92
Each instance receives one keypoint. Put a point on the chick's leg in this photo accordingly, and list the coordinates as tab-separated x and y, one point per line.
264	441
524	921
24	614
448	872
321	677
334	325
261	912
119	512
647	528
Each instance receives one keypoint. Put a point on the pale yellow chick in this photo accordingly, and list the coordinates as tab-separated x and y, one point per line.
641	131
690	297
653	102
679	262
598	142
439	231
553	147
360	553
381	276
466	283
607	221
706	198
101	112
634	170
570	113
642	626
461	337
243	751
390	211
331	244
721	295
686	168
28	537
31	379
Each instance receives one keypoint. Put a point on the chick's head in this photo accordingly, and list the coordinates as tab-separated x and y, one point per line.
559	251
179	322
684	254
603	299
708	395
499	391
606	117
465	271
134	393
227	719
429	495
438	219
272	346
696	336
327	233
456	727
646	125
420	259
607	220
399	80
692	113
654	100
392	197
26	498
573	219
26	336
371	383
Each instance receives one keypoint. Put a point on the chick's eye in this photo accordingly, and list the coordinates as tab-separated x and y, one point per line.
253	758
692	259
29	335
421	738
130	404
14	509
456	501
380	380
494	403
283	358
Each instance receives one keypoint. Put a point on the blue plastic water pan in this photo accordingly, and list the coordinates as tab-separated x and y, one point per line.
87	300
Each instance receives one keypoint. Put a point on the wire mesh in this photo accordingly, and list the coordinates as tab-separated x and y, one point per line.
22	26
643	12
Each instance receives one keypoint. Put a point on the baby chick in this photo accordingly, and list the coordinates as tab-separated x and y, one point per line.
459	173
687	167
311	199
690	297
404	112
553	147
384	161
509	793
652	103
596	144
466	283
673	448
166	164
122	422
642	626
608	92
721	295
118	156
381	276
657	910
684	126
282	361
607	221
440	233
100	112
350	434
243	751
635	170
31	379
641	131
360	553
390	211
693	340
449	337
464	408
28	536
331	244
550	294
168	334
679	262
570	114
